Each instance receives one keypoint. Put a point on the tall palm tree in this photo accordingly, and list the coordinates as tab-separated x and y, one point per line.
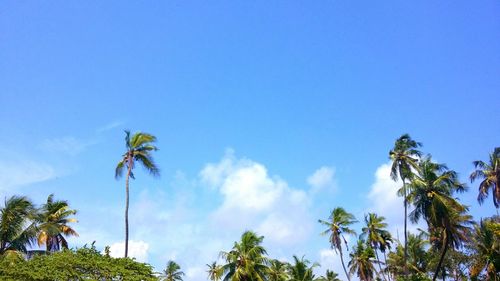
214	271
338	224
139	149
172	272
362	261
53	220
486	249
301	270
404	157
246	261
490	175
17	226
278	271
376	235
432	192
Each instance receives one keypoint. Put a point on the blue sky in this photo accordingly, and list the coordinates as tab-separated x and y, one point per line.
291	105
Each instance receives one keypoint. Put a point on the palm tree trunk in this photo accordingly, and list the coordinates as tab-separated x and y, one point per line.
343	265
380	266
126	205
406	232
389	275
445	248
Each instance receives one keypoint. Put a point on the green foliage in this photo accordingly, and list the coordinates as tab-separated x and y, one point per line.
490	175
414	277
82	264
172	272
362	261
215	271
301	270
17	228
277	271
246	260
53	224
486	249
337	225
329	276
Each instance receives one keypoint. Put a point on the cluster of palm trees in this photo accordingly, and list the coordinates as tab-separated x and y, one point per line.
23	226
452	246
430	188
248	260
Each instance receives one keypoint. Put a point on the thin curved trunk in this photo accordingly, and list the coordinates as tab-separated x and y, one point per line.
379	265
406	232
445	248
126	204
343	265
389	274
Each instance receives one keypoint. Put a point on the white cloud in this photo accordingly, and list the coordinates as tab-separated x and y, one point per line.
329	259
196	273
252	199
323	178
110	126
22	172
68	145
385	201
136	249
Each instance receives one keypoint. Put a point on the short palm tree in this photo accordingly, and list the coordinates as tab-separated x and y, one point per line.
214	271
139	148
329	276
301	270
417	256
489	173
486	248
337	225
362	261
376	235
53	224
432	192
246	261
17	226
277	271
404	157
172	272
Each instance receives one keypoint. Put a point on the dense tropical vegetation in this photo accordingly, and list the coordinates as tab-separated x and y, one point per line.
34	245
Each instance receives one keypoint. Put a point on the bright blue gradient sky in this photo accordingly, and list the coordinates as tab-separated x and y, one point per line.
285	86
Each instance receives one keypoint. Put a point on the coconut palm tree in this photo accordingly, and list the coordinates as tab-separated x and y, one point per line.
432	192
277	271
214	271
172	272
329	276
53	224
301	270
489	173
376	235
417	256
385	245
486	249
17	226
139	149
246	261
404	157
362	261
337	225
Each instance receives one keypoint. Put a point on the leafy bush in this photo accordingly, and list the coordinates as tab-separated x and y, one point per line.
81	264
